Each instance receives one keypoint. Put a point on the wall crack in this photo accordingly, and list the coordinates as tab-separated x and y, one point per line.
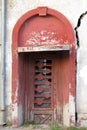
78	25
79	22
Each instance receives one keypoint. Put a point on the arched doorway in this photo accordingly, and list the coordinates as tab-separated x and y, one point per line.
43	68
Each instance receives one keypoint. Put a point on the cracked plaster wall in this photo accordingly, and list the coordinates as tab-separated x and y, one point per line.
72	10
82	73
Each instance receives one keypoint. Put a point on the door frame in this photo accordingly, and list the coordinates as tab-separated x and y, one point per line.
17	104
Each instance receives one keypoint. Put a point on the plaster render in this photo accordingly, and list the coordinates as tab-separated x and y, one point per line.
66	116
0	22
1	113
82	73
72	10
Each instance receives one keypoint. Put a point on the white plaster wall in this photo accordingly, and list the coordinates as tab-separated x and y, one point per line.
72	10
0	21
1	113
82	73
1	120
0	49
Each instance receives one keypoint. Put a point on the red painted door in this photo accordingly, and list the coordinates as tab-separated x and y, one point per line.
45	92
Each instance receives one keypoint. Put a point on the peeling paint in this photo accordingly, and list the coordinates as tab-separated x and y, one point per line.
15	96
58	47
15	114
66	117
15	13
71	104
44	38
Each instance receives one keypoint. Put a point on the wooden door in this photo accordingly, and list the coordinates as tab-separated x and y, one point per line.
43	84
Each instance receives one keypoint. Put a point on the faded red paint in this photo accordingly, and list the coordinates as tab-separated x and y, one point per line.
42	29
15	121
72	121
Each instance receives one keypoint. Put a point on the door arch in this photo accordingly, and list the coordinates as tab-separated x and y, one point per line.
47	32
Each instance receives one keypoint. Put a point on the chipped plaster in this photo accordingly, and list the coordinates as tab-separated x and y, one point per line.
82	70
72	11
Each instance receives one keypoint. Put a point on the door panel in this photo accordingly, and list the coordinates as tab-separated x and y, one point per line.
44	87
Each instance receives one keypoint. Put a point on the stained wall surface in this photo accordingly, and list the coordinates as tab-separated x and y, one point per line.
0	67
72	10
